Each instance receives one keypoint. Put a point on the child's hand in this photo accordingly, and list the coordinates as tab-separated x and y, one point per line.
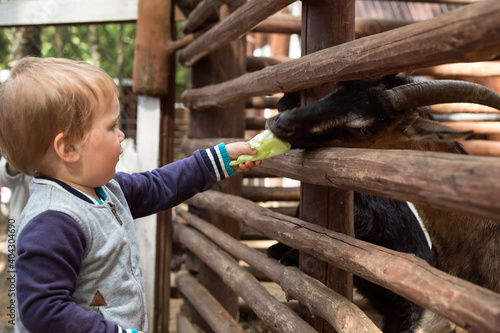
239	148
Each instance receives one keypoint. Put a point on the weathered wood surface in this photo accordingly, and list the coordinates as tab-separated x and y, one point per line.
476	69
482	147
202	11
255	123
479	127
325	24
261	193
455	182
261	102
462	108
449	2
226	63
257	63
462	183
151	54
214	314
322	301
238	23
267	308
280	23
462	302
457	36
288	24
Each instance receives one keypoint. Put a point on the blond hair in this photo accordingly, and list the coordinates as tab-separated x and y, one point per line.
44	97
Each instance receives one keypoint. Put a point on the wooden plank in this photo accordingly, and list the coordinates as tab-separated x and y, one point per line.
444	2
482	147
479	127
325	24
235	25
226	63
151	53
454	182
261	193
476	69
203	10
462	302
211	310
55	12
474	30
288	24
463	183
270	310
462	108
339	311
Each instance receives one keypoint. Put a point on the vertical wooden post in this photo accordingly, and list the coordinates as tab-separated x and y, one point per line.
221	65
324	24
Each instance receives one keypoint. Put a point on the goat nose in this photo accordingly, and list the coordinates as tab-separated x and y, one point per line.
281	122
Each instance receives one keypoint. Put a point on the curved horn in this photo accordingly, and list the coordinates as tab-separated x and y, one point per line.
424	93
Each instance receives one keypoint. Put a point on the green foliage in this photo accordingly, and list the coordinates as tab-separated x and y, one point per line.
181	73
4	47
73	42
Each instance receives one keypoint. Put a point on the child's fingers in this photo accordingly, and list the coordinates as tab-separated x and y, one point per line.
246	149
244	167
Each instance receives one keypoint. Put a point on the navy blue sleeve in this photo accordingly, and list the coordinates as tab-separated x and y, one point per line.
50	251
163	188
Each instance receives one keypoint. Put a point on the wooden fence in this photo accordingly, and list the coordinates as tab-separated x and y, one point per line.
330	54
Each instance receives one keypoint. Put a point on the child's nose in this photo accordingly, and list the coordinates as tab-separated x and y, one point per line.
121	136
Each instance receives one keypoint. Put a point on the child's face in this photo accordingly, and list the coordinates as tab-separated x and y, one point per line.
103	148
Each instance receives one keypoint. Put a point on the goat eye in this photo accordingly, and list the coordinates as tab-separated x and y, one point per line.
364	132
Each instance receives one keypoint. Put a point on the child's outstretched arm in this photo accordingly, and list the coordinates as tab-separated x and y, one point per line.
234	150
163	188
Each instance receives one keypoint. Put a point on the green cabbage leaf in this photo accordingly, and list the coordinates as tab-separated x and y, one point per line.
267	146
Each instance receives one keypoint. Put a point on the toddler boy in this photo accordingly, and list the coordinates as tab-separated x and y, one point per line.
78	267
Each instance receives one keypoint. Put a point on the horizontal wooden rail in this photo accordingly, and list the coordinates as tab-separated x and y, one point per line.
261	193
288	24
483	147
255	123
203	10
267	308
207	306
462	108
479	127
235	25
462	183
457	36
260	102
462	302
476	69
343	315
449	2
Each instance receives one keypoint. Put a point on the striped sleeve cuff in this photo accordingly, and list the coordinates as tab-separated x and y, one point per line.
217	160
118	329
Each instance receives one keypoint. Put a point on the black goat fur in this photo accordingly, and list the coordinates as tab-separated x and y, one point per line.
384	222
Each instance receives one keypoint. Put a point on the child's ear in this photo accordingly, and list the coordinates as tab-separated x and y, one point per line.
66	152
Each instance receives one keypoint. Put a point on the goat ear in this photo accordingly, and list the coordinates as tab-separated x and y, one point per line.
429	129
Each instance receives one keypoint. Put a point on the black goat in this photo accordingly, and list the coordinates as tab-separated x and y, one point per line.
385	222
388	113
391	224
